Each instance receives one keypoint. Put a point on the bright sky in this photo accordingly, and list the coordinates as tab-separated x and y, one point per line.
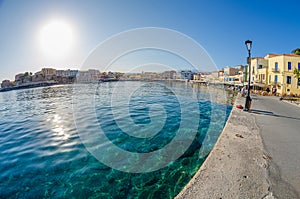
220	26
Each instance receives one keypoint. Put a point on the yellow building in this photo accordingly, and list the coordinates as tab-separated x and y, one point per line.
280	73
259	71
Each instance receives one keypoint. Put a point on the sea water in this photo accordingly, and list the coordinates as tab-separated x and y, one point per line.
43	156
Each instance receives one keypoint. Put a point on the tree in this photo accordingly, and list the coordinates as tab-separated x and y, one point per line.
297	75
296	51
27	74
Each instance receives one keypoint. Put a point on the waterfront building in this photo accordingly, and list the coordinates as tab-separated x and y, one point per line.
240	74
276	71
118	74
72	73
177	75
61	73
19	79
38	77
259	71
232	75
151	76
49	74
221	75
229	71
186	74
215	74
281	73
94	74
83	76
67	73
229	75
209	77
6	84
110	75
197	76
91	75
135	76
202	77
169	74
66	76
27	77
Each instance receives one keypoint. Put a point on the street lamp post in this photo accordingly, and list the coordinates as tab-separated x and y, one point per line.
248	99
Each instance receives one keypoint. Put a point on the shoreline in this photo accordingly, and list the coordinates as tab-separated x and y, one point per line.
28	86
237	166
51	83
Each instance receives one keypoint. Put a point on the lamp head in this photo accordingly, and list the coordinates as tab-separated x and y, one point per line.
248	44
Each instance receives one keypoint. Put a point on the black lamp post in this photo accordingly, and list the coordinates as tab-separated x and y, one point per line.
248	99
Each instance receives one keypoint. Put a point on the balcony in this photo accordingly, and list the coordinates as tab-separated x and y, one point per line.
275	70
275	83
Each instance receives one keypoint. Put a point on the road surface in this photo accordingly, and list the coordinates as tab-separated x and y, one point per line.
279	124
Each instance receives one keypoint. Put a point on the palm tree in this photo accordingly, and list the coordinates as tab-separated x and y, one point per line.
297	75
296	51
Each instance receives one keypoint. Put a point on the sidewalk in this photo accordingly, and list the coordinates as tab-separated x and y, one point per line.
256	156
279	124
237	167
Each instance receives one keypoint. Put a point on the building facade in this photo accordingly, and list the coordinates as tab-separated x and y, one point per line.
281	73
6	84
186	74
49	74
259	73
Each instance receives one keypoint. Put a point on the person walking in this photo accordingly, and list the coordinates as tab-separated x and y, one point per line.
243	91
274	90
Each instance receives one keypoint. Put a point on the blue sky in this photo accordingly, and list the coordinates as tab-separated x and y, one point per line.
220	26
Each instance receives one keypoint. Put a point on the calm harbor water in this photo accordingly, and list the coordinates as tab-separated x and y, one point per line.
42	155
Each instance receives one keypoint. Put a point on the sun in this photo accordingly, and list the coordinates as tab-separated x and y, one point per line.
56	38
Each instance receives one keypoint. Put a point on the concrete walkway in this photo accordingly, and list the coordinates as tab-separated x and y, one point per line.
237	167
256	156
279	124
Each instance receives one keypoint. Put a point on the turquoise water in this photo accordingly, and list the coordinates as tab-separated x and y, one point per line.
42	156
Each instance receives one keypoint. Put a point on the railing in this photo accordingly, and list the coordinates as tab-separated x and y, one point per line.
275	70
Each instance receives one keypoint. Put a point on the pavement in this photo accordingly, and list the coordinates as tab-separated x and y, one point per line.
256	156
279	124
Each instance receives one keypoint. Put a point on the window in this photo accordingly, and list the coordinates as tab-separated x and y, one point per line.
276	78
298	65
298	81
269	78
288	79
276	66
289	65
260	66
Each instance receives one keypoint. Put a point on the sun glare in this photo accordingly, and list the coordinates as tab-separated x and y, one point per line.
56	38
